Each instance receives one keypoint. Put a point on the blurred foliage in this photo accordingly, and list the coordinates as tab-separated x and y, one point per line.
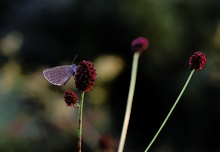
38	34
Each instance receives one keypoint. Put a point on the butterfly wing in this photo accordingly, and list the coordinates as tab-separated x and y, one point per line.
59	75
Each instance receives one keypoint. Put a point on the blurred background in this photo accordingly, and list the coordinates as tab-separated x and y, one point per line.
37	34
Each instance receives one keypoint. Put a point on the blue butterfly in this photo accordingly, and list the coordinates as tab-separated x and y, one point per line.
59	75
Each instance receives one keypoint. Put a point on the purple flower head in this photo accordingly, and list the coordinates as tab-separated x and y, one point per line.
197	61
71	99
85	76
139	44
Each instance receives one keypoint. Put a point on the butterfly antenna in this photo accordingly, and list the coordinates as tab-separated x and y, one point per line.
74	59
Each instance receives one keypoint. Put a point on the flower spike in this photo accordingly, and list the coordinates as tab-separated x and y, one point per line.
196	62
85	77
138	46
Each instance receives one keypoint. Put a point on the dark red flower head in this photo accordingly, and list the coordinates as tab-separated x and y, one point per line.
139	44
197	61
71	99
85	76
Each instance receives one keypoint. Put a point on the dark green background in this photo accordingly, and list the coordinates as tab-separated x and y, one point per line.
48	33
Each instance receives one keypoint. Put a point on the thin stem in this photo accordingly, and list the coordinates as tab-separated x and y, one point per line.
80	122
171	110
129	101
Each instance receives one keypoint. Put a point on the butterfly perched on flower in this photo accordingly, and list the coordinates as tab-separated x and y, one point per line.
59	75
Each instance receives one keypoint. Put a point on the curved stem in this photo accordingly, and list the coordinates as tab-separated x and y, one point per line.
171	110
129	101
80	122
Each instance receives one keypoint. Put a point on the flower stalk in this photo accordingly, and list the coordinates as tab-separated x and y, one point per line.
138	46
84	81
129	101
80	122
197	62
171	110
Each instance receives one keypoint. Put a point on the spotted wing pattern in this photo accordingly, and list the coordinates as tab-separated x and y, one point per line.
59	75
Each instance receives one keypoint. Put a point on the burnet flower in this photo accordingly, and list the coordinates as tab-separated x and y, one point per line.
85	76
71	99
106	143
197	62
138	46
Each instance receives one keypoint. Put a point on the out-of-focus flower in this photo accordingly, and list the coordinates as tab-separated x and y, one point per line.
71	99
106	143
85	76
197	61
139	44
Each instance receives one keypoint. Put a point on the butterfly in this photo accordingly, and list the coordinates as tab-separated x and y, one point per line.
59	75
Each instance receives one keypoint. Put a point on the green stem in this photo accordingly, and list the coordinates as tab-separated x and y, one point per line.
171	110
80	122
129	101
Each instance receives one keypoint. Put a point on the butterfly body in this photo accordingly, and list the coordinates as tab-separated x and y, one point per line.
59	75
